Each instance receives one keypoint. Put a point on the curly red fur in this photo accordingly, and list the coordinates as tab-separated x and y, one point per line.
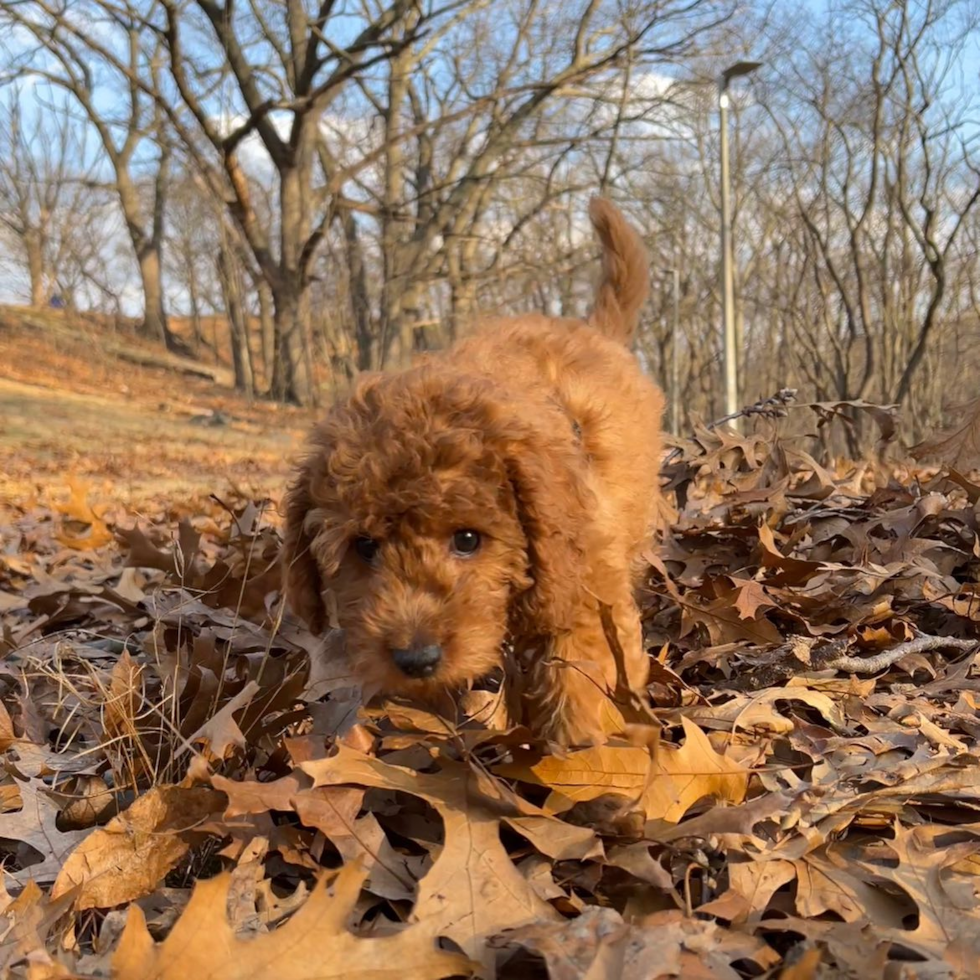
540	433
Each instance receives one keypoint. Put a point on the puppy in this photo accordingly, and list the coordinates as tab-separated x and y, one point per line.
492	496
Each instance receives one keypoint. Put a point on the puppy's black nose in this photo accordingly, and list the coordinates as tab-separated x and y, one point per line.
418	660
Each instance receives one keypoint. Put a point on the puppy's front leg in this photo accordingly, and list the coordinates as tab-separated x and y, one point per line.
575	677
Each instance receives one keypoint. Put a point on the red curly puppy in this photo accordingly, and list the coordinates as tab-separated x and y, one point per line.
493	494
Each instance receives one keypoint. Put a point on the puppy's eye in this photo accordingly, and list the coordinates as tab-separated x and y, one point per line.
465	542
366	548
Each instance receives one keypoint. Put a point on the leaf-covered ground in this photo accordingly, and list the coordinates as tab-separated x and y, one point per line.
192	790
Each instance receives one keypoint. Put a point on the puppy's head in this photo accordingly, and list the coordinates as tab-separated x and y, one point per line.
436	514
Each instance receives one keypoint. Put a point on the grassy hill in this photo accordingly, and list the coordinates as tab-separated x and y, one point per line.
85	397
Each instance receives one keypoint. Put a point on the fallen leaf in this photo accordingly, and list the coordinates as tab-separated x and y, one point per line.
948	903
473	888
598	945
681	777
313	945
751	597
130	855
958	446
26	924
220	733
36	825
665	785
586	774
7	734
81	527
593	945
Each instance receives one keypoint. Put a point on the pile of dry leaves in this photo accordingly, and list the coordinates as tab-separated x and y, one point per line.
191	788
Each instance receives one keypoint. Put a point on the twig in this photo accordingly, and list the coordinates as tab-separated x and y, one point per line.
632	707
776	666
773	407
885	659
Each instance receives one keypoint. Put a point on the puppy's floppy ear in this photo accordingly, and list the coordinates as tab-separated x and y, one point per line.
302	584
554	506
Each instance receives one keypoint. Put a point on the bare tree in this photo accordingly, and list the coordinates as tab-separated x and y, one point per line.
498	116
130	129
856	192
369	176
879	161
233	288
452	125
49	201
281	103
192	241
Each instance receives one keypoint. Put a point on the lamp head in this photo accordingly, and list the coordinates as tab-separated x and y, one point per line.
736	70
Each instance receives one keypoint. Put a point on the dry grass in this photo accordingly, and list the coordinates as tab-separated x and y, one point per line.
74	403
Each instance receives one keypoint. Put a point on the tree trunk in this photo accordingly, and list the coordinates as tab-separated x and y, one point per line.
267	330
464	306
291	380
154	315
290	375
35	267
192	288
925	329
148	249
241	355
417	336
398	334
364	334
462	286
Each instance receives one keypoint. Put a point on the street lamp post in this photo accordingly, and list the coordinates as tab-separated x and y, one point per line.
729	339
675	355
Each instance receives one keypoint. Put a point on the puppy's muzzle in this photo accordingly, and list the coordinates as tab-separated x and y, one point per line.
418	660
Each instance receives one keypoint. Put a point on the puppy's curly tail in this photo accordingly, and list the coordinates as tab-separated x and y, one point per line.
625	279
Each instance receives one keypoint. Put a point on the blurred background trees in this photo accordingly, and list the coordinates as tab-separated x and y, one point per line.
340	184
